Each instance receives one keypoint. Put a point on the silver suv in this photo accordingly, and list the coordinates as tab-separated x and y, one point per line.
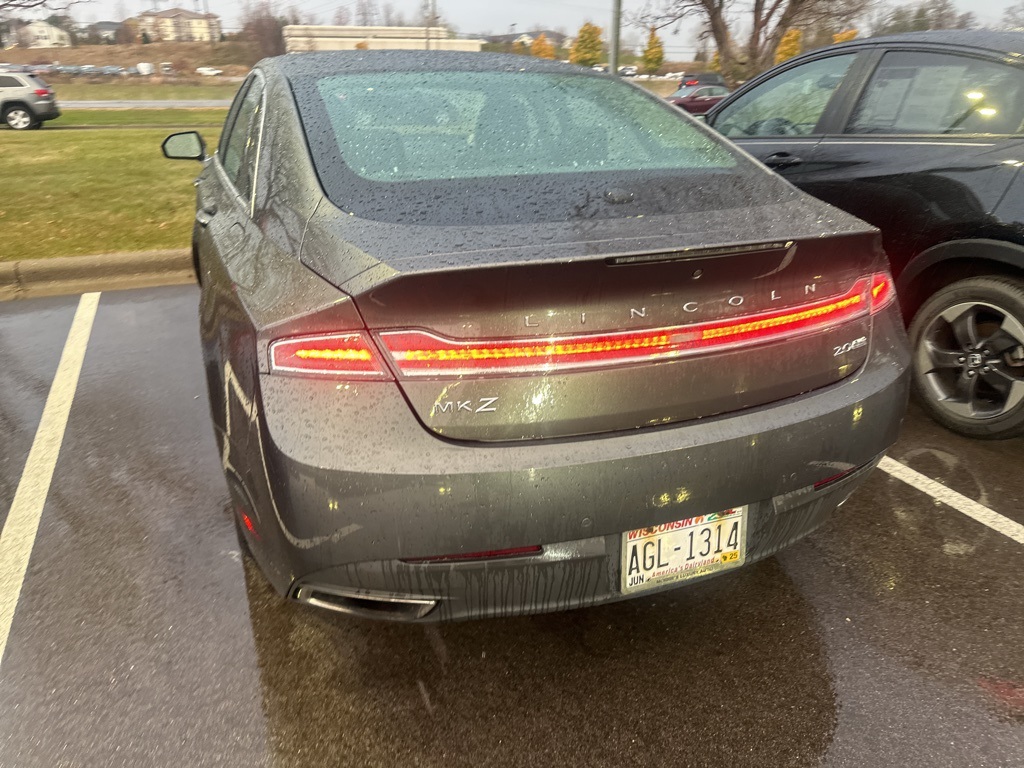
26	101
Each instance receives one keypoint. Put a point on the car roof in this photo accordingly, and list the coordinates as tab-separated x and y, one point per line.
323	63
998	41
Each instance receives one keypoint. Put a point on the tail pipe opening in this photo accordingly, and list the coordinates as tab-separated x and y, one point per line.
367	606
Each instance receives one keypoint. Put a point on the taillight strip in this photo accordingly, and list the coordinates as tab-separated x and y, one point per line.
343	354
422	353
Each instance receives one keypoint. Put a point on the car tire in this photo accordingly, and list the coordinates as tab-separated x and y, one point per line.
18	118
36	125
968	348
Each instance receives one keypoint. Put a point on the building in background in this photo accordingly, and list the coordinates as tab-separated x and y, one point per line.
39	34
526	39
177	24
104	31
302	37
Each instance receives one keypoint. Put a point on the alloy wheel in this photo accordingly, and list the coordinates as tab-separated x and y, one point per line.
19	119
971	358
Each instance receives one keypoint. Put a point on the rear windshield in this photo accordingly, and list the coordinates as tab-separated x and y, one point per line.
505	145
443	125
685	91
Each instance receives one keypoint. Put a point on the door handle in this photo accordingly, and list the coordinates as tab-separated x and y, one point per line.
205	215
782	160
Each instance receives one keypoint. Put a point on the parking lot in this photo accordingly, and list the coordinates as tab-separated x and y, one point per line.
139	636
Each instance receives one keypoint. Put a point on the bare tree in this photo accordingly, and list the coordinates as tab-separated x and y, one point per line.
7	6
366	13
392	18
1013	16
342	17
746	34
263	28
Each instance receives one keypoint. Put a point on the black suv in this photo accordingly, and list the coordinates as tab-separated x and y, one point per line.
921	135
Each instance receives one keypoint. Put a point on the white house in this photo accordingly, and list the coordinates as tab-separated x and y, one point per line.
39	34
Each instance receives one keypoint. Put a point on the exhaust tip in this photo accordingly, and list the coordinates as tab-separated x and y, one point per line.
365	605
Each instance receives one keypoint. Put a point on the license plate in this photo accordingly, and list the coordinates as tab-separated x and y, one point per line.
684	549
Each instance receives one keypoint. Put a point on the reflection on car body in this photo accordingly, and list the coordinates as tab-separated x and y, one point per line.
488	336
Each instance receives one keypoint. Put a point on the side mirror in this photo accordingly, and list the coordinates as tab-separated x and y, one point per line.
188	145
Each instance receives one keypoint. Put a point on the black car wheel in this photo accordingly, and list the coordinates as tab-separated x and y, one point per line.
19	118
968	343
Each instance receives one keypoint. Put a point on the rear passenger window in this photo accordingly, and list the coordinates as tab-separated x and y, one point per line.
936	93
6	81
238	154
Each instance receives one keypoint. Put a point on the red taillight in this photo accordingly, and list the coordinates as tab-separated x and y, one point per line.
41	92
421	353
347	354
493	554
692	82
881	291
416	353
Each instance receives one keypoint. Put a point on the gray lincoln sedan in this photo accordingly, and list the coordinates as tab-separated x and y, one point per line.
488	335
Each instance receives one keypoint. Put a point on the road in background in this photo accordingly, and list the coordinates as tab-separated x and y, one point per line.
143	637
156	104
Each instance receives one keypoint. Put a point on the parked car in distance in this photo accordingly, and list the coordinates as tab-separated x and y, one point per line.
26	101
629	71
468	360
921	135
701	78
698	99
209	71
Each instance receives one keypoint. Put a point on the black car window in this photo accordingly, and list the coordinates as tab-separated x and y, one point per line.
238	160
9	82
788	104
916	92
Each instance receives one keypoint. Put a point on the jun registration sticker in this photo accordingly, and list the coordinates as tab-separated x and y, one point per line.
684	549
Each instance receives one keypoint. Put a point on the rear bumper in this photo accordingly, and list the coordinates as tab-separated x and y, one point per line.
344	484
46	110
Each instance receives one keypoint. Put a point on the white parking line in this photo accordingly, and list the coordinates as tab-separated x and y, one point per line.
951	498
19	533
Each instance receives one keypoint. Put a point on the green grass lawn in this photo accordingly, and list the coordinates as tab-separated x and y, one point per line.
69	193
142	91
143	117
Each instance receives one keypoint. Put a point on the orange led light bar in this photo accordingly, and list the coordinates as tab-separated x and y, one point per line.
422	353
416	353
349	354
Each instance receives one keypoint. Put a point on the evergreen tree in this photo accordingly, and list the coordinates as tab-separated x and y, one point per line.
653	55
542	47
586	49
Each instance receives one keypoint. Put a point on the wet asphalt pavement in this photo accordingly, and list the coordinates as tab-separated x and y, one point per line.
894	637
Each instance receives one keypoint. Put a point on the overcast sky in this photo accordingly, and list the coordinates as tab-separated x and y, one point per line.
480	16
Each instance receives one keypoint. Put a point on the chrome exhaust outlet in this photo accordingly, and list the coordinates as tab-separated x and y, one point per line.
365	605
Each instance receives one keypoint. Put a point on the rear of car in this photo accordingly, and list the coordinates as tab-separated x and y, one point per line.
701	78
545	344
26	101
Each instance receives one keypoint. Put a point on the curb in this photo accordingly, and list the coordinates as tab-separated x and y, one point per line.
31	278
